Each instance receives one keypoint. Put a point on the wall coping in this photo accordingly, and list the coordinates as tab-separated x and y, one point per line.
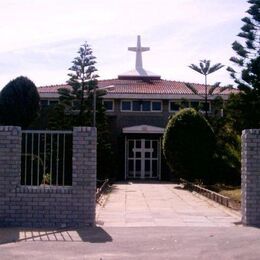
45	189
250	131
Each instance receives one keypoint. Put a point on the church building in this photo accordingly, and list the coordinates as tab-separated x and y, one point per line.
138	104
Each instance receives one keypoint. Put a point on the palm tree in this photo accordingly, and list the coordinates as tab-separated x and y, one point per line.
205	69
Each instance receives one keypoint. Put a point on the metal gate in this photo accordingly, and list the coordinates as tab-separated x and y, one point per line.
46	158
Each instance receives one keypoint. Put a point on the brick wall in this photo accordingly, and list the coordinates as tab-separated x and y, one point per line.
48	206
250	204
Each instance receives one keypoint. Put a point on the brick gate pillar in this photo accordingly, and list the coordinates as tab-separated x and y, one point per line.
10	169
84	173
250	185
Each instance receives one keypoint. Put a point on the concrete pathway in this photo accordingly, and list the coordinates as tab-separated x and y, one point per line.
161	204
142	221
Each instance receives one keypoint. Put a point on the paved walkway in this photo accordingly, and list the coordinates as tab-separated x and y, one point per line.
142	221
161	204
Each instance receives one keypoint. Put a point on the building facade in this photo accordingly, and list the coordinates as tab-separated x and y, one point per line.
138	104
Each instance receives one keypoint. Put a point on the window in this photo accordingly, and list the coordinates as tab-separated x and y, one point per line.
141	105
156	106
46	102
146	105
109	105
126	105
174	106
137	105
53	102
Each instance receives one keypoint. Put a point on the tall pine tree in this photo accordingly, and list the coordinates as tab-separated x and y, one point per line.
83	82
81	105
245	107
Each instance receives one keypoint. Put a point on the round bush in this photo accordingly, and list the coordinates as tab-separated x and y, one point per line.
188	145
19	102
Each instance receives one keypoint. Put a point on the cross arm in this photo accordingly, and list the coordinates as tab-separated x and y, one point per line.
132	48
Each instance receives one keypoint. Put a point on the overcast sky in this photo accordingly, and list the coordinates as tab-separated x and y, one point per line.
40	38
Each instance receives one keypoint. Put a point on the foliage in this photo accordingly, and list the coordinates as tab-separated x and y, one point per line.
217	105
77	108
246	105
188	145
52	117
19	102
83	86
58	118
227	156
235	111
205	69
47	178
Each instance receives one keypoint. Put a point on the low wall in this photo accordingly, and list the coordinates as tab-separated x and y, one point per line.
250	203
48	206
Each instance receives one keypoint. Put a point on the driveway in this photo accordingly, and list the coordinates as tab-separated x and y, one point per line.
142	221
161	204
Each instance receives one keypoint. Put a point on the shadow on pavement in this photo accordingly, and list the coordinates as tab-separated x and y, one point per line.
94	235
88	234
181	187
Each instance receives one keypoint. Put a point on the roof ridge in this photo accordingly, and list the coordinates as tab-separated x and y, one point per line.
178	81
194	83
53	85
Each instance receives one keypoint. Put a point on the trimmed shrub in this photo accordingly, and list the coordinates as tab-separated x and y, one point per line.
188	146
19	102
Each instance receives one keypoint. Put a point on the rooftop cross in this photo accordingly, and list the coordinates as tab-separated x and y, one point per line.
139	72
138	49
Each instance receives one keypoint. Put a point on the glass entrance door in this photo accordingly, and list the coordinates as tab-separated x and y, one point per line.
142	158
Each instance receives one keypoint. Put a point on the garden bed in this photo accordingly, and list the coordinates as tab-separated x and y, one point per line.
232	192
228	196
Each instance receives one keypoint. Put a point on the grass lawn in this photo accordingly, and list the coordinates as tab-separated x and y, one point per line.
233	192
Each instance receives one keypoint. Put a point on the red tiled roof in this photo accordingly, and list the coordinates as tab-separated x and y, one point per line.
51	88
120	86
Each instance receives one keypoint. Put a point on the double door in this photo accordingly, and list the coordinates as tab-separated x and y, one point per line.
143	158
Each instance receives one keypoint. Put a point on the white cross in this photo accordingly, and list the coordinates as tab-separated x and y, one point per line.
138	49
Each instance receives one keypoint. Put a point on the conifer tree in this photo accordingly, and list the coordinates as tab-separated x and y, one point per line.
81	97
81	105
246	106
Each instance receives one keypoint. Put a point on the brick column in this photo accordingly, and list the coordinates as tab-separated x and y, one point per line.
10	168
250	204
84	173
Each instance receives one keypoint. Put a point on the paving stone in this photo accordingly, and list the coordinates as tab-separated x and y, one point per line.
157	204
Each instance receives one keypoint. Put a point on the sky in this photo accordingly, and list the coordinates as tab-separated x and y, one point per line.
40	38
